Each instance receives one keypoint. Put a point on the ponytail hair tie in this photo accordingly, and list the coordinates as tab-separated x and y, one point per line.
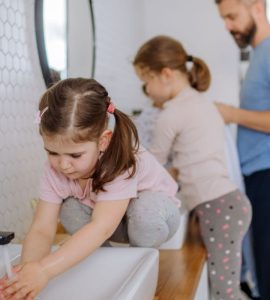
39	115
111	108
189	58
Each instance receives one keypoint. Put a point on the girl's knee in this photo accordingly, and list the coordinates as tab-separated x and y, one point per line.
152	218
74	215
147	233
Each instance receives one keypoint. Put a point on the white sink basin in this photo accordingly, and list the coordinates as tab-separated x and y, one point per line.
107	274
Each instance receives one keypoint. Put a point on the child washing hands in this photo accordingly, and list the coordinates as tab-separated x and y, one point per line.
101	183
191	129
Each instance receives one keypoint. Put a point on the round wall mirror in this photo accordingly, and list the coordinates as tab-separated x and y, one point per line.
65	36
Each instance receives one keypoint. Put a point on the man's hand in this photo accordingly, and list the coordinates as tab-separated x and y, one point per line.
227	112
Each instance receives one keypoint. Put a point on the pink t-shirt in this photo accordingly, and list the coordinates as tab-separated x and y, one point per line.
150	176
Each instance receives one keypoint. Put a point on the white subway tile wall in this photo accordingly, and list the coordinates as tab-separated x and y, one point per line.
21	85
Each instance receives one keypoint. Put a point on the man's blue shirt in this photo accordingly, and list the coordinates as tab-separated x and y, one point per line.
254	146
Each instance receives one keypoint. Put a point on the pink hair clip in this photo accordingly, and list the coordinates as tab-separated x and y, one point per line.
111	108
39	115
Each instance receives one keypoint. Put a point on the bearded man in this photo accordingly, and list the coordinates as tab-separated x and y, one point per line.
247	22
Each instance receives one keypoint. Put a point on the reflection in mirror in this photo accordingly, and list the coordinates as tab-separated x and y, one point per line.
55	36
65	38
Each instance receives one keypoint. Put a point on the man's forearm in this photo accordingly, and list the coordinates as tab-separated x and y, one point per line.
257	120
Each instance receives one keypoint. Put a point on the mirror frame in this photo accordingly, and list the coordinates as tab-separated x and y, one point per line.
40	40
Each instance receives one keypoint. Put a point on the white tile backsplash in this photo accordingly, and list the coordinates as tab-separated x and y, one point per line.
21	85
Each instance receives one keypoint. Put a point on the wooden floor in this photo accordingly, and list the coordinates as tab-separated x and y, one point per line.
180	270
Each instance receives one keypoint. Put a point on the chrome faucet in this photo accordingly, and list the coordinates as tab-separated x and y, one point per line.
5	239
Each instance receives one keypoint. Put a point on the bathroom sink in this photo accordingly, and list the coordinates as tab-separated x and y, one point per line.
107	274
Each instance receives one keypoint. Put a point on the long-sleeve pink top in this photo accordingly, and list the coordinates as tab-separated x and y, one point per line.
192	130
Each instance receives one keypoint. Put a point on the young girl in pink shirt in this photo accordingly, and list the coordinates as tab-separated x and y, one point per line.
190	130
99	181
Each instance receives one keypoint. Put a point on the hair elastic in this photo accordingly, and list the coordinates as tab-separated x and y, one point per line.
189	58
39	115
111	108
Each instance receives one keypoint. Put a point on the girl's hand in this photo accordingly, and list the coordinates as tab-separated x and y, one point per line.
227	112
5	279
28	281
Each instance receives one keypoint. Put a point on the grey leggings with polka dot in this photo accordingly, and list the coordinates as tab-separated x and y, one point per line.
223	223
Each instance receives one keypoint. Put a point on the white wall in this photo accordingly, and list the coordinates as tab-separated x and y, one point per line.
119	26
200	29
123	25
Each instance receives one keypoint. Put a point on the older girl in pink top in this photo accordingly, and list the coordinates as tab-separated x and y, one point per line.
99	181
191	129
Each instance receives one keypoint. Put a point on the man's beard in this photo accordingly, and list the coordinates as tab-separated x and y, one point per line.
244	39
